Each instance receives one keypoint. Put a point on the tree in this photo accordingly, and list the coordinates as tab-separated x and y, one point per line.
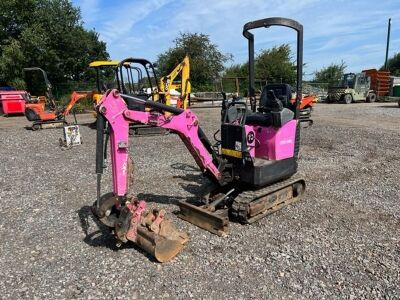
47	34
237	70
274	65
393	65
206	61
330	74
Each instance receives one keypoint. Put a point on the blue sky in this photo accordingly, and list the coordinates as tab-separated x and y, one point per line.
353	31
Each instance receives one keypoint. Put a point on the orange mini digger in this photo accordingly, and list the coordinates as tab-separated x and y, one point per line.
306	107
42	110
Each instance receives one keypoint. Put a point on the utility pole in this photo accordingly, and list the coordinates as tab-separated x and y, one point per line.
387	43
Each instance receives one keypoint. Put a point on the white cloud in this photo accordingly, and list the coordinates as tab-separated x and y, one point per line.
354	31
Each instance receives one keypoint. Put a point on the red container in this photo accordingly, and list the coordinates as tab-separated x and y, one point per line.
13	102
380	81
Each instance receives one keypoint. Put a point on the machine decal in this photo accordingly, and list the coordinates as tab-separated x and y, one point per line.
238	146
285	142
232	153
250	137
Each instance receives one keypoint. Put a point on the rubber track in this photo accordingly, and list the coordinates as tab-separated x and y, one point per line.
241	203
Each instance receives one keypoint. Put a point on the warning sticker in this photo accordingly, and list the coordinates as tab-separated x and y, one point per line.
238	146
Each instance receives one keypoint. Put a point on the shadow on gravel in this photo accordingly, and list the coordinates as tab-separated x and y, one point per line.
91	125
99	238
184	167
192	183
103	236
196	180
391	106
161	199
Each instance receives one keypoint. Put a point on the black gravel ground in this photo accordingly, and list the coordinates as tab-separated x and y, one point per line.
341	241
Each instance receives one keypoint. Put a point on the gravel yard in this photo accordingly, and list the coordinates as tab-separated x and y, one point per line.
341	241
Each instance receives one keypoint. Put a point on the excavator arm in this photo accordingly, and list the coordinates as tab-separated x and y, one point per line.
127	216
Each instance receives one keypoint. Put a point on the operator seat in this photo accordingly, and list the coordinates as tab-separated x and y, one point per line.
282	91
274	107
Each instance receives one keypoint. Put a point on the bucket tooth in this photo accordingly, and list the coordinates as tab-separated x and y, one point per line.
216	222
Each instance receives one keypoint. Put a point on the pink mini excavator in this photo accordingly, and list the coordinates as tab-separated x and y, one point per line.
251	170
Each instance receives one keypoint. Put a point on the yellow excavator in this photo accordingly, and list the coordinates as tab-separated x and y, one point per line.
169	88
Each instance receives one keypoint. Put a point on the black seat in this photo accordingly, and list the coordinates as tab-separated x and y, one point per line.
282	91
275	108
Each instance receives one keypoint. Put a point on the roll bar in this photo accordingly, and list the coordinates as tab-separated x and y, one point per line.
47	82
144	62
266	23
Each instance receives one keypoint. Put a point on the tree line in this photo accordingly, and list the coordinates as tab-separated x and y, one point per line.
48	34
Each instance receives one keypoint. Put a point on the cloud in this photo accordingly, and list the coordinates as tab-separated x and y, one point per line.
353	31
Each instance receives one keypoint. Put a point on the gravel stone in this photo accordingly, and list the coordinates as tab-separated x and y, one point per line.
340	241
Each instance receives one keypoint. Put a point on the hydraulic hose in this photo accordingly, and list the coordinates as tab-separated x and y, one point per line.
100	125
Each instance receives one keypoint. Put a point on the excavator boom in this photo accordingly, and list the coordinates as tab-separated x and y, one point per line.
74	98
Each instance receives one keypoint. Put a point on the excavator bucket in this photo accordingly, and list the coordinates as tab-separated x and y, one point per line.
151	231
163	246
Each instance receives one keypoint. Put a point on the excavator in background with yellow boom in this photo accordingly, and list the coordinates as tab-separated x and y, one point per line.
168	85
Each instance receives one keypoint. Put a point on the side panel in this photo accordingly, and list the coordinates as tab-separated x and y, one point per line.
275	143
260	142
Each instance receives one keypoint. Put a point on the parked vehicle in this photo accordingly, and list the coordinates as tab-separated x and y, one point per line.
352	87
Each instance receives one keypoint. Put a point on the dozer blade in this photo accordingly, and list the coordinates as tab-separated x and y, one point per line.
164	245
215	222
